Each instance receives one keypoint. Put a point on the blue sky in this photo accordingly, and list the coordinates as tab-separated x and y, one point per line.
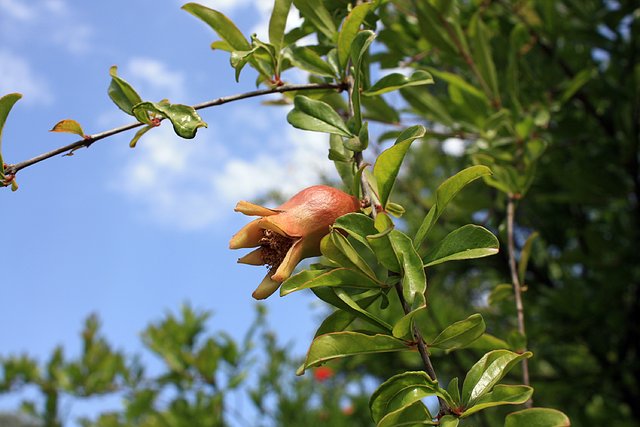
130	234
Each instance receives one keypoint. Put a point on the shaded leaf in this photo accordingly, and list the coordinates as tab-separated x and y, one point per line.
444	194
467	242
479	40
537	417
68	126
397	81
412	415
525	254
460	334
414	280
342	301
315	12
350	28
342	344
185	119
339	320
389	161
403	328
222	25
337	248
308	60
122	93
487	372
317	116
500	292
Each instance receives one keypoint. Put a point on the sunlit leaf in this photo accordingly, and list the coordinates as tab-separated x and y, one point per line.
308	60
317	116
316	13
222	25
335	277
449	421
6	104
467	242
185	119
500	395
487	372
339	320
339	299
414	280
403	328
537	417
278	22
396	81
401	391
389	161
350	28
337	248
122	93
68	126
342	344
139	134
460	334
444	194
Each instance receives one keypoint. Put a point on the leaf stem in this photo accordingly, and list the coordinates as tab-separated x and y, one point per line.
517	286
12	169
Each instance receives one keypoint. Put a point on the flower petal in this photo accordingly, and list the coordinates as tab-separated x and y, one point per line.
293	257
272	223
267	287
248	237
249	208
252	258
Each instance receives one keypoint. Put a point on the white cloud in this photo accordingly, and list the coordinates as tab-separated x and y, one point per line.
16	75
193	184
154	76
26	22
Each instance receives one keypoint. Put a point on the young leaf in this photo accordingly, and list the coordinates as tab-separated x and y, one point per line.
414	280
467	242
445	192
185	119
487	372
139	135
537	417
400	391
69	126
350	28
501	395
388	163
336	277
397	81
454	392
317	116
415	414
278	22
317	14
222	25
308	60
342	344
122	93
6	104
460	334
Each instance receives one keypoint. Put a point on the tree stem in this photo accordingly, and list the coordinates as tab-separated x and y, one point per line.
12	169
517	286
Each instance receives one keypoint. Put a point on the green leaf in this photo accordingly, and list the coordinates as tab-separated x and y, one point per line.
403	328
397	81
478	36
454	392
460	334
339	299
239	59
122	93
360	45
315	12
336	277
401	391
139	134
388	162
487	372
467	242
575	84
6	104
449	421
185	119
343	344
500	292
501	395
456	81
537	417
364	314
69	126
339	320
488	342
337	248
525	254
317	116
308	60
412	415
444	194
350	28
414	280
222	25
278	22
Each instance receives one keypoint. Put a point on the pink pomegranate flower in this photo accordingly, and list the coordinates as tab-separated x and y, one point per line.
289	233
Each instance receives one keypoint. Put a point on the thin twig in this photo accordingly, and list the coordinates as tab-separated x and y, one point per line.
12	169
517	286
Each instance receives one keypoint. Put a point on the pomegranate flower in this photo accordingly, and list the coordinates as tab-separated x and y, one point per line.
289	233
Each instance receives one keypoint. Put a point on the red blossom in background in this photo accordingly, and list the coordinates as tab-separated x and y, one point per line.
322	373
